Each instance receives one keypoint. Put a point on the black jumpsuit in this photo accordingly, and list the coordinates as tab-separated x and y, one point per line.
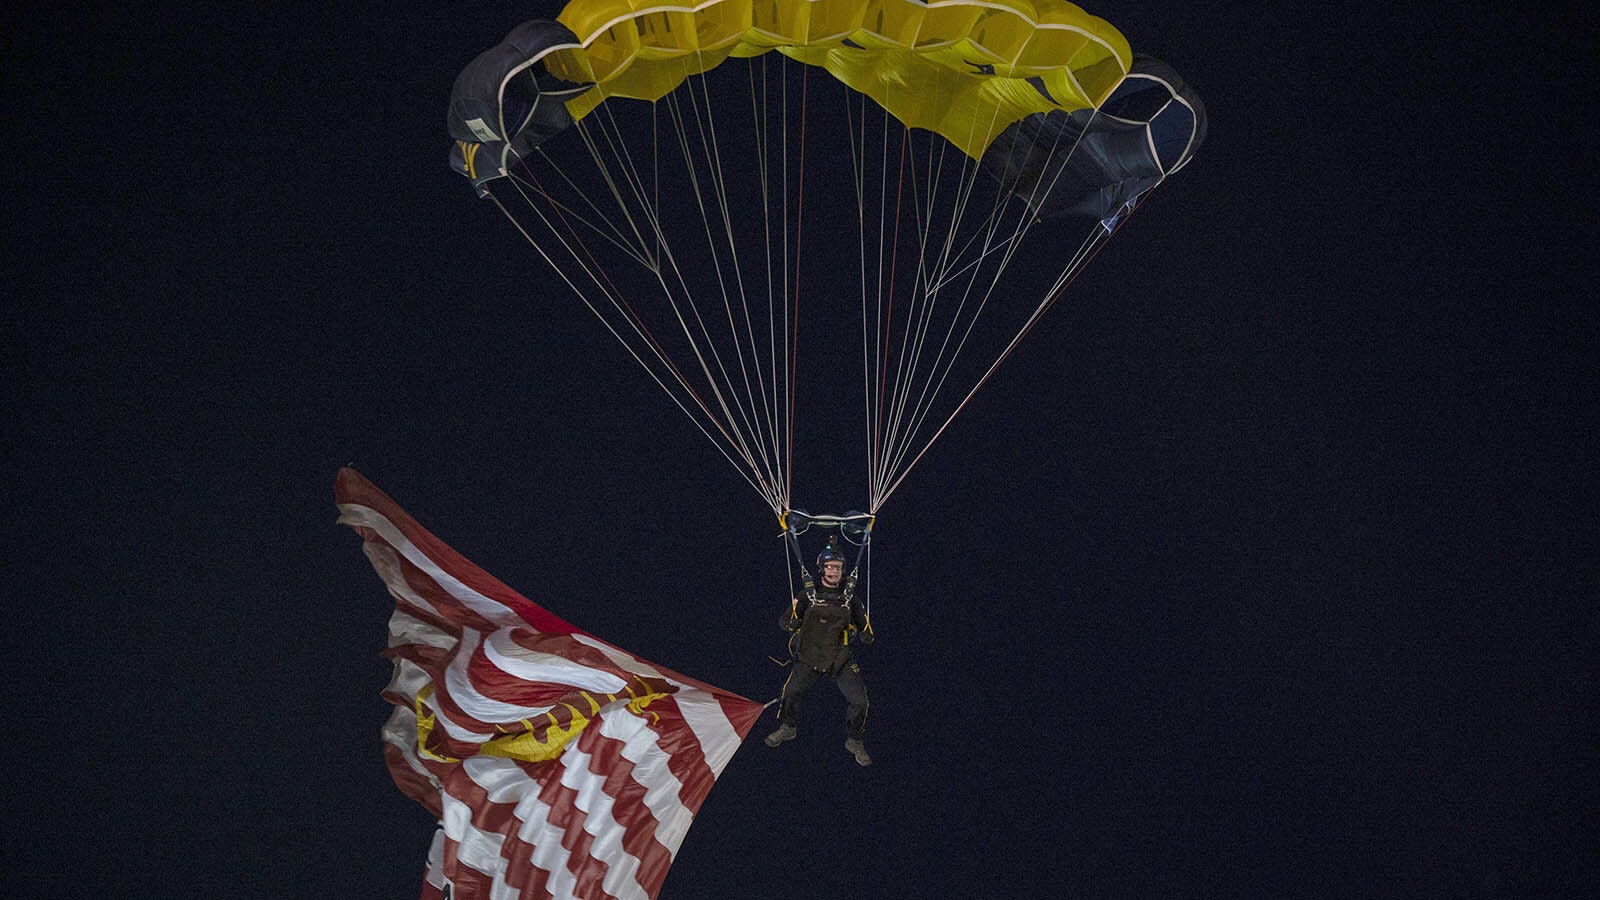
844	669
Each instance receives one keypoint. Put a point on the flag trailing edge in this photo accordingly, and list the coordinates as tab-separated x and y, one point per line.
557	764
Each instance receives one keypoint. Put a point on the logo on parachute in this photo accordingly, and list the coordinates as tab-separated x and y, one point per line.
482	130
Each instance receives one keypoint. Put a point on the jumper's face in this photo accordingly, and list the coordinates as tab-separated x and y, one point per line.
832	573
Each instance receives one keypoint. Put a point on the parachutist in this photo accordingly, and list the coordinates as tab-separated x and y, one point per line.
821	625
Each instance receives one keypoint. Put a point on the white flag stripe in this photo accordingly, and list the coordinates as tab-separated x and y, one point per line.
493	610
548	853
408	679
386	562
434	873
453	728
532	665
400	732
711	727
606	831
464	691
502	780
662	789
406	629
576	773
637	743
494	775
475	847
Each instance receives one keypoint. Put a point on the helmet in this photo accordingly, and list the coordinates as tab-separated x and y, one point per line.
829	554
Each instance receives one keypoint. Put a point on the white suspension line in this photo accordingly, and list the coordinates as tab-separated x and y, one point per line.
871	329
1008	247
922	304
858	150
776	267
881	425
739	339
751	478
610	233
777	380
737	414
1085	252
884	423
923	410
629	174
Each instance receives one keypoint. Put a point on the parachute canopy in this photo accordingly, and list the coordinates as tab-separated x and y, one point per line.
965	70
952	169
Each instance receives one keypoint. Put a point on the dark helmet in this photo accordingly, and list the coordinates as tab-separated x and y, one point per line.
828	554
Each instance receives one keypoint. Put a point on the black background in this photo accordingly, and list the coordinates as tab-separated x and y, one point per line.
1265	568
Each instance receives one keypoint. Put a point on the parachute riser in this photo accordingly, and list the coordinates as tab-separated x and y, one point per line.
796	521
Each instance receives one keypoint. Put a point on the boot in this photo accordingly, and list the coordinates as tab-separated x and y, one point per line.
785	732
858	750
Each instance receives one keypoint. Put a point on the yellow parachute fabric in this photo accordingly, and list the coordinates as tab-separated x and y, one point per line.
965	69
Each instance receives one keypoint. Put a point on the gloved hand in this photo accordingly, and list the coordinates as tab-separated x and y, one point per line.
867	636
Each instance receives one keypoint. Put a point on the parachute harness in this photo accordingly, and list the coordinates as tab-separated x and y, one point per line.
854	528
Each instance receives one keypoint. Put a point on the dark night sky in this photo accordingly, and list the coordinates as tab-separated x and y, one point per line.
1266	568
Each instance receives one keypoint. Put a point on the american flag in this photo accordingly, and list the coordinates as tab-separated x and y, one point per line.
556	764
